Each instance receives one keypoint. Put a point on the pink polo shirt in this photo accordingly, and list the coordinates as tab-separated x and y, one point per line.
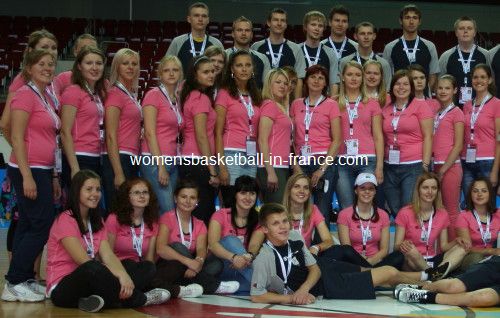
413	230
40	132
444	136
466	220
362	126
123	247
409	134
372	246
197	103
484	129
170	221
130	120
85	130
19	82
320	133
63	80
167	127
236	127
307	233
59	261
223	217
279	139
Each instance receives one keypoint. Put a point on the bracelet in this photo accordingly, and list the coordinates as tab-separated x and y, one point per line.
232	258
253	255
425	164
316	247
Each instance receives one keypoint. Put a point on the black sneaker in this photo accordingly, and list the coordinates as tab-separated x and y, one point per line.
437	273
93	303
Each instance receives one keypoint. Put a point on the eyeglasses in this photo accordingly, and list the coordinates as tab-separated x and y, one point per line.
139	193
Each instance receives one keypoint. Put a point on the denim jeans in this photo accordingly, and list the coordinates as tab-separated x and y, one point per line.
471	171
323	199
399	182
345	183
243	276
165	194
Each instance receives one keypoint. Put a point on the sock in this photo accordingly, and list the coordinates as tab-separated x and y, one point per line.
424	276
430	298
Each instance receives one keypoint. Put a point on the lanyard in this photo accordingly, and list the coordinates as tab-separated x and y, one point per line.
365	231
309	115
181	233
395	120
426	233
47	106
275	61
172	104
137	241
465	64
485	234
193	49
338	52
353	113
358	57
308	58
98	103
475	115
52	94
301	223
284	270
132	96
250	111
90	245
440	116
411	54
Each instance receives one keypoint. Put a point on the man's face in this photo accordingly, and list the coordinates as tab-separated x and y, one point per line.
339	24
465	32
198	18
365	36
277	24
314	29
242	33
277	228
410	22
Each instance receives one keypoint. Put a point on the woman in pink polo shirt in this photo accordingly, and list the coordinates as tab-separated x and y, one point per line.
274	137
373	79
238	112
407	127
217	56
419	78
162	131
447	145
481	152
82	115
362	132
422	225
123	121
479	223
182	246
199	141
317	136
75	277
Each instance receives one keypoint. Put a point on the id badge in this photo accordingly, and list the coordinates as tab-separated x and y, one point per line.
487	237
305	150
241	238
423	236
394	155
58	159
101	135
352	147
368	235
465	94
251	146
470	155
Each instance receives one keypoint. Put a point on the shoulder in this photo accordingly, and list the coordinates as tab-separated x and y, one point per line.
428	43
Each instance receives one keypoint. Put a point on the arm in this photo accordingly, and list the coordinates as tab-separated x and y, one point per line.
333	149
116	268
150	117
378	139
426	128
399	237
464	234
74	248
150	256
302	296
265	127
5	121
112	120
272	298
68	114
344	234
214	236
219	143
496	162
458	142
256	241
166	252
443	241
383	247
326	238
200	127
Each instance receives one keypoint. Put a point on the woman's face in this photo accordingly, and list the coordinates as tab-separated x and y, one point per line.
373	76
205	75
316	83
91	67
170	73
279	87
402	88
186	200
480	80
218	62
128	70
48	45
352	78
480	194
139	195
300	191
428	191
445	91
90	194
42	72
419	81
245	200
366	193
242	68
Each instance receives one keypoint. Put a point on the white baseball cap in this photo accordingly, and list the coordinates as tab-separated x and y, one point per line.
364	178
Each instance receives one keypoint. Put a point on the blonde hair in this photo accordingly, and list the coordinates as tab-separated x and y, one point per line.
415	202
117	60
287	201
362	91
165	60
381	91
270	77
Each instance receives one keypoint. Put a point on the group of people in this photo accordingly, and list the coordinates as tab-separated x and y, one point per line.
281	115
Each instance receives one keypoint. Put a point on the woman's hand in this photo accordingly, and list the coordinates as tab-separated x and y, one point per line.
239	262
127	286
272	181
119	180
56	186
379	174
214	181
190	273
223	176
163	176
316	176
29	188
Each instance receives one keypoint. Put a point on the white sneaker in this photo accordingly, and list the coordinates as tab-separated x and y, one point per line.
36	286
156	296
399	287
412	295
20	292
229	287
93	303
190	291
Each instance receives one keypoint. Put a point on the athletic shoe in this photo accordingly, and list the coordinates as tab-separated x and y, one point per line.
190	291
229	287
156	296
398	288
20	292
437	273
93	303
412	295
36	286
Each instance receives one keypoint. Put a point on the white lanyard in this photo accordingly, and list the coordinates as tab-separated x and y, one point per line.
466	64
132	96
440	116
90	245
181	233
309	115
284	270
250	111
365	231
485	234
193	49
352	113
52	94
275	61
475	115
338	52
426	234
412	56
98	103
137	241
395	120
172	105
47	106
308	58
358	57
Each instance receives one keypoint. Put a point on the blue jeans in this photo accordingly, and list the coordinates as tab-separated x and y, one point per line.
243	276
399	182
471	171
322	199
345	183
108	178
165	194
